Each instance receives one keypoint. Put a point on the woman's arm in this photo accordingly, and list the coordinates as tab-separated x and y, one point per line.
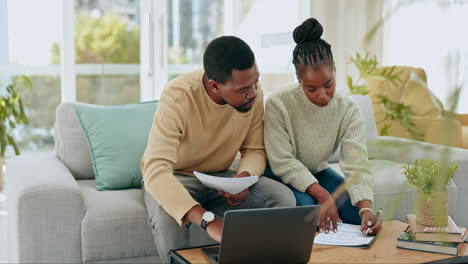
354	159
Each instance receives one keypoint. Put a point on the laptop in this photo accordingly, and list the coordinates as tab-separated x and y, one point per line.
267	235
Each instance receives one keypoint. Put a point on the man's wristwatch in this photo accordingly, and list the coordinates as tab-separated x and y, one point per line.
207	218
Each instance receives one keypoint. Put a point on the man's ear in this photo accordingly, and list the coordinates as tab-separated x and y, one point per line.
214	86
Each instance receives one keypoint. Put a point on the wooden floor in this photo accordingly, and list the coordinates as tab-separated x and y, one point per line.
3	229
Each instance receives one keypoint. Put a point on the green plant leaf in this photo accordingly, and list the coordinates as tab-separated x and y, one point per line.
385	130
366	65
402	113
349	81
429	175
359	89
12	112
12	142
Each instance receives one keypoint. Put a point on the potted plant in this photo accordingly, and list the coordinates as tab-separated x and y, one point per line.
11	114
430	178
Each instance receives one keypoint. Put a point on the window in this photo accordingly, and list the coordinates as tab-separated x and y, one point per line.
428	34
20	27
107	51
192	24
112	66
267	26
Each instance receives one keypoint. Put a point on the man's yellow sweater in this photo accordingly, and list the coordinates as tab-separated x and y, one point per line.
191	132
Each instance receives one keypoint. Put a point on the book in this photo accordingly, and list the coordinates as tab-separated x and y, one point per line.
407	241
450	233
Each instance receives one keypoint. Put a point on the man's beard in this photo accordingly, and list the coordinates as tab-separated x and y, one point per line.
242	108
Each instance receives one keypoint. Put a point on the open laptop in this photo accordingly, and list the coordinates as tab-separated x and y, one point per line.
267	235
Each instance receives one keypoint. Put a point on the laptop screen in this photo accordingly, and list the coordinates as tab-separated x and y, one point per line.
273	235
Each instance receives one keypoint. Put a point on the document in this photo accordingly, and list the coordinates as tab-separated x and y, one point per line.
347	235
230	185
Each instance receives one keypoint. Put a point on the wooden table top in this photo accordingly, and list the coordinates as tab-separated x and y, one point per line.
383	250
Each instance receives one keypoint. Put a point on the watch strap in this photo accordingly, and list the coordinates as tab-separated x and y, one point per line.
204	224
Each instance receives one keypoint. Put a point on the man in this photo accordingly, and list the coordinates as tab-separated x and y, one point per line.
204	118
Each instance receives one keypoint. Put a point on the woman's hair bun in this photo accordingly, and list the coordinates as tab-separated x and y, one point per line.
309	30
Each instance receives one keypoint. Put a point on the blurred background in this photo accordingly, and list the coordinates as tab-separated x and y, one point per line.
112	52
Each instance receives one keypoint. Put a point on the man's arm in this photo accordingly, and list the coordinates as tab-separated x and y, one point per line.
158	165
160	157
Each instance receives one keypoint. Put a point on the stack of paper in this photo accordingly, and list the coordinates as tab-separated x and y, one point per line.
347	235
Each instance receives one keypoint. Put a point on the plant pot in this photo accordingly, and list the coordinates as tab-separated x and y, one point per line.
432	211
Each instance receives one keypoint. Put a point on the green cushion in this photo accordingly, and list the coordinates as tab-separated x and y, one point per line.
117	137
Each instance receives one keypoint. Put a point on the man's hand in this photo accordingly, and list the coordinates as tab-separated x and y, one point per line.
236	199
215	229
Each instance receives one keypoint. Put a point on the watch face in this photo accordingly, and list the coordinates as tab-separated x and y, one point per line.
208	216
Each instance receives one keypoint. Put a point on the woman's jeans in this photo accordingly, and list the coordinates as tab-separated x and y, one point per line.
330	180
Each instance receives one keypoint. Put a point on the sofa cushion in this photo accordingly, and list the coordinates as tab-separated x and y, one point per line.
115	224
70	142
391	190
117	137
422	101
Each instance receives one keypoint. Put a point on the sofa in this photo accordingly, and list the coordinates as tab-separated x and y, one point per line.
56	215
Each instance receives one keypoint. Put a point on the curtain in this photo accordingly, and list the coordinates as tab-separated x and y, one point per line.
345	24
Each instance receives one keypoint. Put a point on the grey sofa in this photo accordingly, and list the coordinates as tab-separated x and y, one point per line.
56	215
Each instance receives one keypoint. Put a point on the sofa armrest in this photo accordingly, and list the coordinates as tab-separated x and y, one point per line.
407	150
45	208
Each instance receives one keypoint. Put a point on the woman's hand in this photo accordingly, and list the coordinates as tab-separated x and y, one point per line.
328	213
366	224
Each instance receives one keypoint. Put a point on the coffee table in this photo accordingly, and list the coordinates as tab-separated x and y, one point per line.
383	250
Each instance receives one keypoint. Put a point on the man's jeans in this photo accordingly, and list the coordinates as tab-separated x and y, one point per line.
169	235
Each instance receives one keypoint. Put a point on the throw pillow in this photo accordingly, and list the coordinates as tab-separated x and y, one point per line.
117	137
422	101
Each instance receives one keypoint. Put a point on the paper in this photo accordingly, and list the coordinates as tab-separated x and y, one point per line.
347	236
230	185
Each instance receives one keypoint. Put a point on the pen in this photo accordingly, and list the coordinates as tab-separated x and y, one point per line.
374	219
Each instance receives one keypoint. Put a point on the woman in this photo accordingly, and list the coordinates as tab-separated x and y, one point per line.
305	123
